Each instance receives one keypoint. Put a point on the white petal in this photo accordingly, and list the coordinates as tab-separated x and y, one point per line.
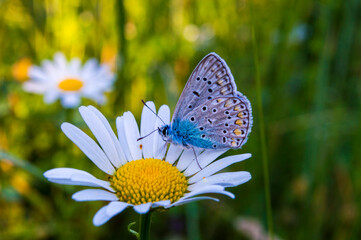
204	159
147	125
51	95
51	71
116	207
34	87
70	100
95	74
173	153
132	134
189	200
207	189
101	217
203	190
99	98
187	158
94	195
75	66
142	208
37	74
63	173
164	203
228	179
70	176
88	146
104	134
89	68
122	138
60	60
122	158
217	166
107	212
160	146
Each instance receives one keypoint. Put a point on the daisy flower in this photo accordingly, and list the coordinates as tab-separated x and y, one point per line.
143	174
70	81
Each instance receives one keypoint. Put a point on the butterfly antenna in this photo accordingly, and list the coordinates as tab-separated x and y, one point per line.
153	111
195	155
147	134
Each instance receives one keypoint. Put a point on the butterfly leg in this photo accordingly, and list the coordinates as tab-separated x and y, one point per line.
195	155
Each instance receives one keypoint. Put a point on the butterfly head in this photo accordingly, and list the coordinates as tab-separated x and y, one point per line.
164	132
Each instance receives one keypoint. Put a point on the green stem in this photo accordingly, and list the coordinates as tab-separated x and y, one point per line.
122	82
144	226
192	215
262	127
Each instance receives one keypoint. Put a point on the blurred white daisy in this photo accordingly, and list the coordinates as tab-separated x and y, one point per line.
70	81
143	174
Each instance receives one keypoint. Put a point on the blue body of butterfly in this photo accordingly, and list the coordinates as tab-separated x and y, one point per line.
186	133
210	113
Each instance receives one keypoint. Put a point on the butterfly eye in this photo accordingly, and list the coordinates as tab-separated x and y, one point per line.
164	131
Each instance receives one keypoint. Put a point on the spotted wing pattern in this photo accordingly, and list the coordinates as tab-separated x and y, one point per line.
211	101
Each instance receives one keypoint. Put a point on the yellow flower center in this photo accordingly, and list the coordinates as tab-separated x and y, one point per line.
148	180
70	84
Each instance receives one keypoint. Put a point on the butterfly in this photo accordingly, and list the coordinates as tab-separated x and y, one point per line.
210	113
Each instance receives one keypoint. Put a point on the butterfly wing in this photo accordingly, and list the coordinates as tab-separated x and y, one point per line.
210	100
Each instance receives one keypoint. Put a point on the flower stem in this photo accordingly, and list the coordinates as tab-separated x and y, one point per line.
144	226
123	82
192	215
262	127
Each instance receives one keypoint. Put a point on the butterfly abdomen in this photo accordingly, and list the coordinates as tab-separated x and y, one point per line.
186	133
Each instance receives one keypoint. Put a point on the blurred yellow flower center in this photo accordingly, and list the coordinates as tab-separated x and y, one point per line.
148	180
71	84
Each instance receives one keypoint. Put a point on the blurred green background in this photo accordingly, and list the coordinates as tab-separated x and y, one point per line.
309	57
